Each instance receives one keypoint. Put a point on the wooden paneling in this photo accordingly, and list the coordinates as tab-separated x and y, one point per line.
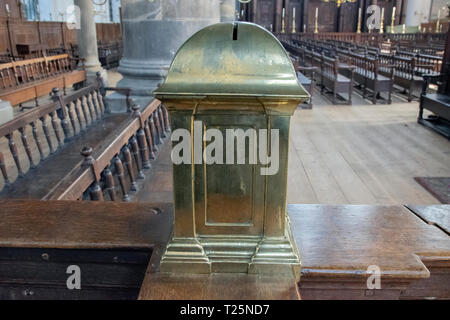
53	34
14	9
348	17
331	17
290	6
327	16
264	13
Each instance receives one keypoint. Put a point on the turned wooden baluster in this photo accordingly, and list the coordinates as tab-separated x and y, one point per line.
26	145
87	115
154	134
62	113
80	115
121	177
13	149
141	140
100	101
47	134
148	137
56	129
101	91
137	157
92	107
110	185
161	122
97	104
36	139
4	172
166	118
89	162
129	165
73	121
157	126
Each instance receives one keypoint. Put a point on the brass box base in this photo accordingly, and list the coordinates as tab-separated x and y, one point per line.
232	254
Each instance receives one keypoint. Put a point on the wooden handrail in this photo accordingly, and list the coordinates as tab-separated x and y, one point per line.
34	60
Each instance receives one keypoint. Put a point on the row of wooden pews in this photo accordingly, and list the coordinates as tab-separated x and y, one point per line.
22	81
374	69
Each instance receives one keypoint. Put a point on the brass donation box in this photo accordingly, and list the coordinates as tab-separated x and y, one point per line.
231	91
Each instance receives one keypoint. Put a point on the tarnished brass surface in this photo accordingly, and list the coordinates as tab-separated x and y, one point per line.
230	218
211	63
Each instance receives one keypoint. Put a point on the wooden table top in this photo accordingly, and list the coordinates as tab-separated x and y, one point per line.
84	225
438	215
346	240
159	286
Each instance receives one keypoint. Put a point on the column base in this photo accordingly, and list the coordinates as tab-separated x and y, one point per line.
6	112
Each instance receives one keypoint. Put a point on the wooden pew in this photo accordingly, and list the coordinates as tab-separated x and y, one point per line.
367	74
57	130
305	76
438	103
111	243
332	79
339	244
25	80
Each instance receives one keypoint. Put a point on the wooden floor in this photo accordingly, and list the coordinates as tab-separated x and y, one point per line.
360	154
363	154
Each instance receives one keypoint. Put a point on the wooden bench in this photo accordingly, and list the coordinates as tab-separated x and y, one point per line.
111	243
367	74
332	79
22	81
305	76
339	244
51	137
437	103
110	54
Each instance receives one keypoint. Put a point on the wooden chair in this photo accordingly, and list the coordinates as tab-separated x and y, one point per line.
332	79
438	103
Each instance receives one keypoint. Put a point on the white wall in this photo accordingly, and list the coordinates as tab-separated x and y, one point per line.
439	5
417	12
56	10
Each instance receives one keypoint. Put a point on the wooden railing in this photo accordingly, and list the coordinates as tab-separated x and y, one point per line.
25	80
64	118
374	39
127	153
17	73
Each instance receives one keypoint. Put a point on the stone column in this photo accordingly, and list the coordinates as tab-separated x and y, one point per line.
87	39
227	10
6	112
417	12
153	30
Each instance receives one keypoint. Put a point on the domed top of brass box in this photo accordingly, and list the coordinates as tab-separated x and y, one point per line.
232	60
